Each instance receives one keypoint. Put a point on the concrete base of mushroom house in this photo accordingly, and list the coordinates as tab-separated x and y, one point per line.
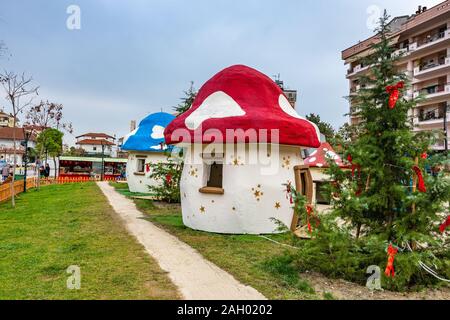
251	202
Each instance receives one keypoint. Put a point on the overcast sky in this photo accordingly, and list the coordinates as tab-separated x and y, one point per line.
134	57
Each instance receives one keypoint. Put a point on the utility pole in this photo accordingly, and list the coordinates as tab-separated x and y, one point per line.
25	163
103	161
27	135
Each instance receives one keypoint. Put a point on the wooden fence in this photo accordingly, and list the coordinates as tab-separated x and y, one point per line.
5	189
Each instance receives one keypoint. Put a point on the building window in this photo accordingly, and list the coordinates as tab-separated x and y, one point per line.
215	175
213	166
140	166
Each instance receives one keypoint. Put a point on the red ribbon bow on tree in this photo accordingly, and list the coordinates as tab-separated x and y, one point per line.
392	252
310	214
169	179
445	225
147	167
394	93
309	211
354	166
421	186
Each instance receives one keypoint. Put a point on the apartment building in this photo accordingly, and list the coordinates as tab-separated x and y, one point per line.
6	120
291	94
96	143
422	42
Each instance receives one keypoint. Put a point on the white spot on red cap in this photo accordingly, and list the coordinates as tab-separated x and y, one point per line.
286	106
218	105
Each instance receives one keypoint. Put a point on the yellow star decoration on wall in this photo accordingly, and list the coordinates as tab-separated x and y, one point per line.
277	205
193	172
257	192
202	209
236	161
286	162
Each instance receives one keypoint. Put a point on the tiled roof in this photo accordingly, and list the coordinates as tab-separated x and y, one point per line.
6	133
96	135
97	142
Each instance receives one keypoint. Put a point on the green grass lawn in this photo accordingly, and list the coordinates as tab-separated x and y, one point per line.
64	225
122	188
250	259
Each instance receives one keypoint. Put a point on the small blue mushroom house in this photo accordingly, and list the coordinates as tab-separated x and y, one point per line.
146	147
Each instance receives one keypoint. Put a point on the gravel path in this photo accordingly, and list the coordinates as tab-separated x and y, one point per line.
196	278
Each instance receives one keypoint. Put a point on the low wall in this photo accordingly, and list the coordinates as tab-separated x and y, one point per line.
5	189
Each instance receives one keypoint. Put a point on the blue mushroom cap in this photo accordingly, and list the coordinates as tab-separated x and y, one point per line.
149	135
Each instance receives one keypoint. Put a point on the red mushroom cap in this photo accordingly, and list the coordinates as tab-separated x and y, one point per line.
319	157
243	98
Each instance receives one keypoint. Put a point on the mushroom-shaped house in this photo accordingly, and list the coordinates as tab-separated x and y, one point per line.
146	146
242	140
318	161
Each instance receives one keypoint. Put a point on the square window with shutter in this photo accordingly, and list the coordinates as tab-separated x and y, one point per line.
140	166
213	166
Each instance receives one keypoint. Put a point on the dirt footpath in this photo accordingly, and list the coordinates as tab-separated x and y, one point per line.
196	278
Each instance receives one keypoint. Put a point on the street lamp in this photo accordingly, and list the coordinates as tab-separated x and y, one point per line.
103	161
27	132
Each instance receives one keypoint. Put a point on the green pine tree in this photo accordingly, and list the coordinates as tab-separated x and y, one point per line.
386	151
187	100
324	127
376	205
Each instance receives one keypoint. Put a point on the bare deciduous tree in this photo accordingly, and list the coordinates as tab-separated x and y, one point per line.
20	94
47	115
3	48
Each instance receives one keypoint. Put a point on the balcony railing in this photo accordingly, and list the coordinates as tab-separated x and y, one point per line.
428	41
433	90
431	115
358	68
437	36
426	69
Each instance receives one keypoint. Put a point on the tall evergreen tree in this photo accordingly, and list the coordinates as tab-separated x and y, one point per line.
187	100
325	128
381	200
385	153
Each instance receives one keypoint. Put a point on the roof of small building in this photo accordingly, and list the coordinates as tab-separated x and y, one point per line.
7	133
96	142
92	159
96	135
319	158
244	102
149	135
